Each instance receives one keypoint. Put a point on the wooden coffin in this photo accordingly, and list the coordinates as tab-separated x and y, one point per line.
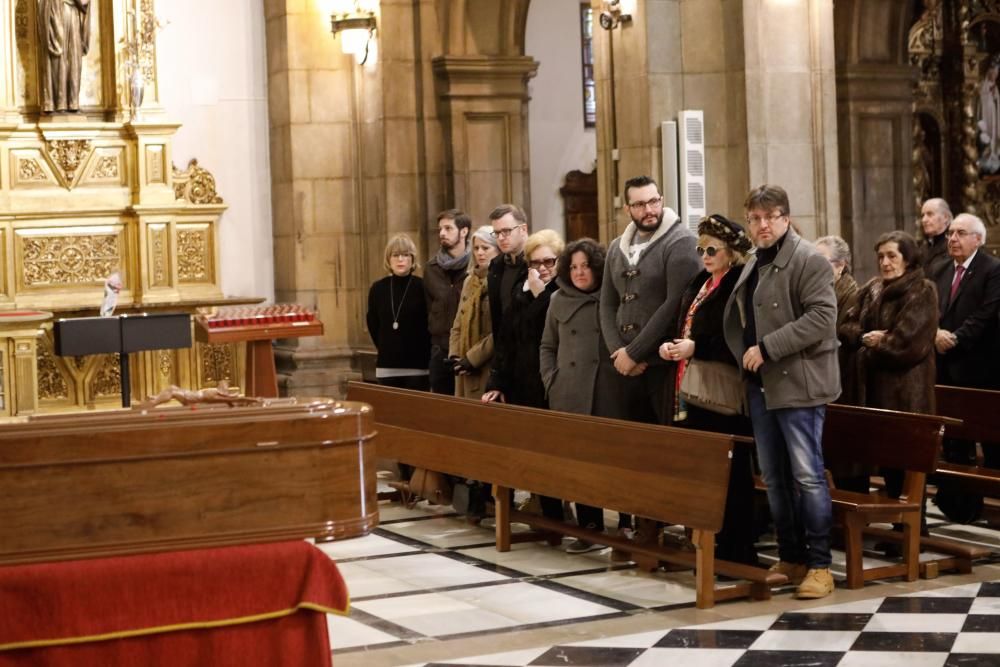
130	481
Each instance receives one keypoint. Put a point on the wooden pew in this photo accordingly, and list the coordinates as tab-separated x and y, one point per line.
674	475
978	411
134	481
882	438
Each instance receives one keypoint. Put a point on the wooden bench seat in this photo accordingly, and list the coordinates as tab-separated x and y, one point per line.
886	439
673	475
977	411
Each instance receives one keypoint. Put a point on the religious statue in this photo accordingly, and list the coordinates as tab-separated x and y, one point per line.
112	286
219	394
64	27
988	124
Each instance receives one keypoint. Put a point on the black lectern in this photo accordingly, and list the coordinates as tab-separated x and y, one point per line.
121	335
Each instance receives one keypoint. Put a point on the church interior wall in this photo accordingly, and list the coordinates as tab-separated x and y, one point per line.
213	80
558	139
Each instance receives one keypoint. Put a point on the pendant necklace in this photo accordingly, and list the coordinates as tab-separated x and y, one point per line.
392	301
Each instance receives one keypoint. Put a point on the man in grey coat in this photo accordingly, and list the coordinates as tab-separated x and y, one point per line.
781	322
646	272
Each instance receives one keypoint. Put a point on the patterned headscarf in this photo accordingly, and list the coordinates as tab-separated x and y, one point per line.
727	231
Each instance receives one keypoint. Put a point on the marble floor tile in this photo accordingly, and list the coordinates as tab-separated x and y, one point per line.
873	659
978	642
538	559
442	532
480	609
417	572
638	588
659	657
805	640
985	605
364	547
516	658
637	640
750	623
916	623
347	633
587	656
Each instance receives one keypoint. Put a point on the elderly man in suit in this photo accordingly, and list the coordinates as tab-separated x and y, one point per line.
969	300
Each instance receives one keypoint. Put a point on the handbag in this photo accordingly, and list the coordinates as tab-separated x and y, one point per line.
432	485
715	386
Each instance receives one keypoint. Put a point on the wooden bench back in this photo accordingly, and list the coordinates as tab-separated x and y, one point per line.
977	408
672	474
902	440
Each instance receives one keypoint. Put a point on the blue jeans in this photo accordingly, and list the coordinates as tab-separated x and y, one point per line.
789	446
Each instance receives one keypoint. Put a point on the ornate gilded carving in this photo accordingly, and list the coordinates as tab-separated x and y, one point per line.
108	381
195	184
193	255
158	252
52	384
148	25
154	164
217	364
68	260
107	168
28	169
925	47
165	363
68	155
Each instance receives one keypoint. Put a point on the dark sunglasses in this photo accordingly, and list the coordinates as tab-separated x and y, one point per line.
548	263
710	250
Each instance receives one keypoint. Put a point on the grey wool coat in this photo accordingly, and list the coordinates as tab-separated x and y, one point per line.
575	363
796	314
640	304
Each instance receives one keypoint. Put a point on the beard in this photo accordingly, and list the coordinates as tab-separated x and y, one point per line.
647	227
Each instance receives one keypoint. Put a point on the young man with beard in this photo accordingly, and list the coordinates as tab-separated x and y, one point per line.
646	272
443	280
781	323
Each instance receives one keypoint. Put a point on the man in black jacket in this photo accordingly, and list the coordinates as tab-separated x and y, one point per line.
935	218
443	279
969	300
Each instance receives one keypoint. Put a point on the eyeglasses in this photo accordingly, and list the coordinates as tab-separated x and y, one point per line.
707	250
960	233
548	263
401	255
653	203
769	219
503	233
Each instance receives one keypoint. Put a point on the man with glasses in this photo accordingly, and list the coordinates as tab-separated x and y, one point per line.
966	342
646	272
507	273
781	322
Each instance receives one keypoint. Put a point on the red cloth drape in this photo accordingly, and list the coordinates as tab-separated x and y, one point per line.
245	605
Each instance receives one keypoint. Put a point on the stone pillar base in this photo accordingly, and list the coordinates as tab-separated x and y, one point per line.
323	372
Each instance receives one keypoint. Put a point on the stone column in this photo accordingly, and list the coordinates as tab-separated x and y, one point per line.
791	107
673	55
485	101
875	107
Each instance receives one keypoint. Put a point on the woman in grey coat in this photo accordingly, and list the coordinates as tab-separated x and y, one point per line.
575	363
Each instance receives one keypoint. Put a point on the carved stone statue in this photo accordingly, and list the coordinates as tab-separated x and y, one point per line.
220	394
64	27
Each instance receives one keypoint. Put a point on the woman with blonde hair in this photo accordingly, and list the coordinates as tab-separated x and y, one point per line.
470	346
397	319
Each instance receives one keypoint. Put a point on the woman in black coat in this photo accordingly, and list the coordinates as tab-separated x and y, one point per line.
397	320
722	245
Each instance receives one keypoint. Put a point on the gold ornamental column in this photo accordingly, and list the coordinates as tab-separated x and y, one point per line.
19	332
485	100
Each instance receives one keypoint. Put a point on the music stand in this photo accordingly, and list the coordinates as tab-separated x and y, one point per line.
121	335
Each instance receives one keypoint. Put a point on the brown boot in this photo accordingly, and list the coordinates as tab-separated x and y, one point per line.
818	583
795	572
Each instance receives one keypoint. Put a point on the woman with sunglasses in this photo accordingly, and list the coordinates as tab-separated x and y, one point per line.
723	246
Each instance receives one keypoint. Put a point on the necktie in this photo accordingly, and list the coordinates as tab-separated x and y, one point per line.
959	272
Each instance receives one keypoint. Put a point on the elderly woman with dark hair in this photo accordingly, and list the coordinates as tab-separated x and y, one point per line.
891	328
723	246
576	365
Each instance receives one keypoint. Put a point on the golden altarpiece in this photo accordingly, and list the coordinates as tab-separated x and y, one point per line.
955	48
87	193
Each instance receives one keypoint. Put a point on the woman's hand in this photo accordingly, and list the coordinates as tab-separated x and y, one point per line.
535	283
873	338
493	396
677	349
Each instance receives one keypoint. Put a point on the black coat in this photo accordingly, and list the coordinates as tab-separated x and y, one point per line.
972	317
409	344
707	326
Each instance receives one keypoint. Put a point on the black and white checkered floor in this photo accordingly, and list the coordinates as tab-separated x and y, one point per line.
427	577
946	627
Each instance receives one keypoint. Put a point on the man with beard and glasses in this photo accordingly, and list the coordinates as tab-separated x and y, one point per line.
646	272
443	280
